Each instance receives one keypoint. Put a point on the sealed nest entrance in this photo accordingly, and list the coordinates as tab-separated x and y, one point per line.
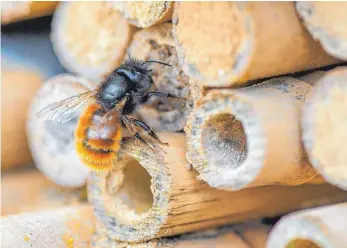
224	141
302	243
130	190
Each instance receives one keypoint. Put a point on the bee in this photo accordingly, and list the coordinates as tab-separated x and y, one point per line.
105	110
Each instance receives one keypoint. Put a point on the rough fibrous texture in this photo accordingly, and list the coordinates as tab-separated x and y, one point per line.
316	228
231	139
12	11
62	228
251	38
18	89
144	14
149	195
163	114
90	38
324	122
52	143
326	21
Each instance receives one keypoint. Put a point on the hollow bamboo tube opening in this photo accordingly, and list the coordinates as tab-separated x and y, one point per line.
163	114
251	37
144	14
324	122
63	227
12	11
90	38
326	21
175	201
250	137
53	144
313	228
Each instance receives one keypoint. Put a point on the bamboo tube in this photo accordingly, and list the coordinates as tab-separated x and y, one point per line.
324	121
250	235
29	190
12	11
65	227
156	43
326	21
314	228
312	77
250	137
90	38
144	14
251	38
18	88
160	197
52	144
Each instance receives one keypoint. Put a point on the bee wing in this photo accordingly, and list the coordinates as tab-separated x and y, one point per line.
66	109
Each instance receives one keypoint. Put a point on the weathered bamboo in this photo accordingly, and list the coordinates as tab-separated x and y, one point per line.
250	235
29	190
250	137
326	21
156	43
324	122
315	228
144	14
12	11
18	89
61	228
90	38
227	43
52	144
160	197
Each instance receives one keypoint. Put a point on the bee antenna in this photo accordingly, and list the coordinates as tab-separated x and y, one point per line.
159	62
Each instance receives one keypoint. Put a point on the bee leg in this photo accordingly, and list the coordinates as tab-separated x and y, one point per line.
148	130
160	94
136	134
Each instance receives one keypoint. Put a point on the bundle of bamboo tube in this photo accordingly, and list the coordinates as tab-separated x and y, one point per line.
255	144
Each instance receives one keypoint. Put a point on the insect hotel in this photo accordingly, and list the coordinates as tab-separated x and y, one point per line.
174	124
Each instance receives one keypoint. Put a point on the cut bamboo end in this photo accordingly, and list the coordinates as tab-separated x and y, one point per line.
231	139
314	228
12	11
250	36
53	144
324	121
156	43
326	21
145	14
250	235
91	38
65	227
18	89
29	190
149	195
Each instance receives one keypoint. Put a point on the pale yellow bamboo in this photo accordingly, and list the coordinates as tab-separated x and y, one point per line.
52	143
17	90
12	11
326	21
66	228
144	14
148	195
90	38
250	137
230	43
29	190
324	122
323	227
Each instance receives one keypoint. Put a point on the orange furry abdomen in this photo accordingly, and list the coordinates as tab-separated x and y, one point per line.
96	153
